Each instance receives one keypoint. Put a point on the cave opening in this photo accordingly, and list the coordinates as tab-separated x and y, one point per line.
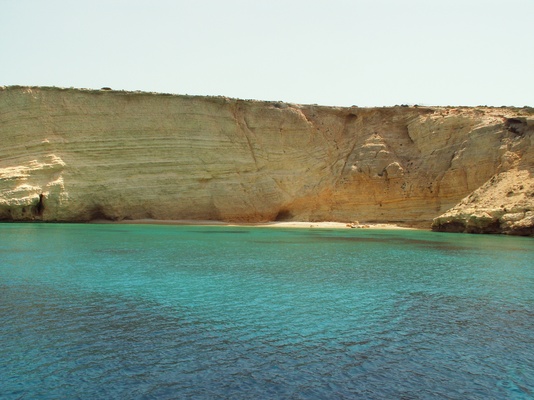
283	215
39	208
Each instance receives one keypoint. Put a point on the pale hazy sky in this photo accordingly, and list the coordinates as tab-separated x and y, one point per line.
331	52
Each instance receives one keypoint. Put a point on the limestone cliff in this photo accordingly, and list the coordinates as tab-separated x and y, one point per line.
80	155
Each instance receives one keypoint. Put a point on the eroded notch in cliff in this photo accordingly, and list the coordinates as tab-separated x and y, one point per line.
97	213
284	215
350	117
516	125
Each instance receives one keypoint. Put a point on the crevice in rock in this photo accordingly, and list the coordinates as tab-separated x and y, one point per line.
242	123
39	208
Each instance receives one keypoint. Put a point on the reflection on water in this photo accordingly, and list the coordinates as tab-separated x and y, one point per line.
100	311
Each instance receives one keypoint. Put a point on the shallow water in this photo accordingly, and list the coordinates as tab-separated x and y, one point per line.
127	311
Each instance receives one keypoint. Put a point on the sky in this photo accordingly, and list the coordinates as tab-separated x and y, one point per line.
333	52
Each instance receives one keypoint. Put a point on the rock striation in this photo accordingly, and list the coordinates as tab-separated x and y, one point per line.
82	155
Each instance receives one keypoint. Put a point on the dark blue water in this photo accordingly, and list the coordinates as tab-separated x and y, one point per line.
125	311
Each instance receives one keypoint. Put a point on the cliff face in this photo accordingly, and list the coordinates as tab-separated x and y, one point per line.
504	203
79	155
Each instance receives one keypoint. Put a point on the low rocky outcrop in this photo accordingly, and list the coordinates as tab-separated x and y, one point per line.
501	205
81	155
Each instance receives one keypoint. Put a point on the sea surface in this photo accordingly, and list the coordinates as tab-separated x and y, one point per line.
173	312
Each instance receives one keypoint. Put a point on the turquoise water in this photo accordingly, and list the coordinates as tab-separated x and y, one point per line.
139	311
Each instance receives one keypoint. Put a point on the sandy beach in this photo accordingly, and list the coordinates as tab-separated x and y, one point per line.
273	224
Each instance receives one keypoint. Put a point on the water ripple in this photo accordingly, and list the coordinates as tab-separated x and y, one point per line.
229	317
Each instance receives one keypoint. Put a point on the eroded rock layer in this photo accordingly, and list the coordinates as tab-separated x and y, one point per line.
80	155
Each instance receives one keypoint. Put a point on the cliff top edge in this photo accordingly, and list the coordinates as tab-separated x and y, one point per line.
279	103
